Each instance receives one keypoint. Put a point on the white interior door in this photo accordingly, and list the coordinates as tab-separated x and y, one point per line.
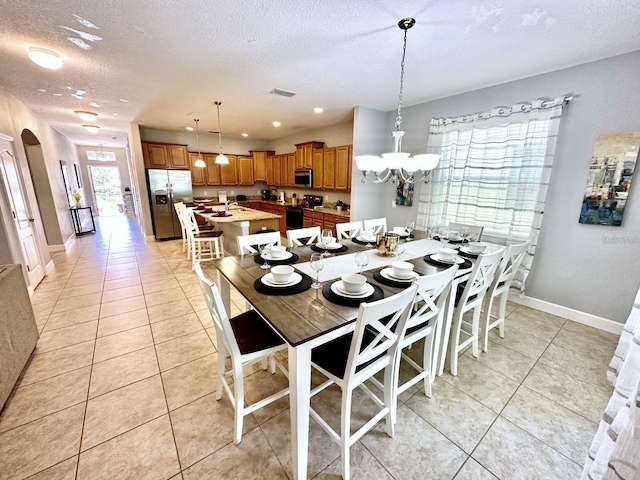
21	213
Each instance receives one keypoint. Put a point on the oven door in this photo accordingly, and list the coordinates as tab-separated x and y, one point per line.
294	218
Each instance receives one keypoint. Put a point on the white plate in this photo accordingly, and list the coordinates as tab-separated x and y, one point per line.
360	238
402	235
438	258
468	251
388	274
331	246
286	255
339	290
268	280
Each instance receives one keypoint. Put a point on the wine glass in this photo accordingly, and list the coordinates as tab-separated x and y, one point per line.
264	247
369	233
326	237
316	264
464	233
444	237
410	226
399	250
362	260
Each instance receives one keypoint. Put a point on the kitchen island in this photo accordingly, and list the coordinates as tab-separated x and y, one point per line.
241	221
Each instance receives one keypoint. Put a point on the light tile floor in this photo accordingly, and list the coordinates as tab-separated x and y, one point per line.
121	386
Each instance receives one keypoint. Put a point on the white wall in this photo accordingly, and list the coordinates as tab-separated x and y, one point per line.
332	136
573	266
208	141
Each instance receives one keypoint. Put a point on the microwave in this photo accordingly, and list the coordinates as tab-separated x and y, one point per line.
303	178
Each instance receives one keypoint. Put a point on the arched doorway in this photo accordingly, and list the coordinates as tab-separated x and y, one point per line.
42	187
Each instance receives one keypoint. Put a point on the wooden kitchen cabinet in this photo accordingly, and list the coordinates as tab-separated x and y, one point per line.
329	168
198	174
164	155
312	218
229	172
318	159
330	222
277	170
304	154
291	169
260	158
245	170
212	175
343	168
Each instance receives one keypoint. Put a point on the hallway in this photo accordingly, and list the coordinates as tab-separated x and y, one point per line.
122	385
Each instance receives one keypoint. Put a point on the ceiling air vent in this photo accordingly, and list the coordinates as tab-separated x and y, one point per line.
283	93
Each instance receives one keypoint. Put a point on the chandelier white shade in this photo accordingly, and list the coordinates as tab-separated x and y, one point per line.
397	164
86	116
220	159
199	162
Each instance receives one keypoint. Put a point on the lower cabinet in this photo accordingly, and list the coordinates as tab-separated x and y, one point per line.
322	220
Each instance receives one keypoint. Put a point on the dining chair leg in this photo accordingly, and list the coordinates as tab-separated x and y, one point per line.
474	329
272	364
238	390
264	363
455	341
390	395
345	431
222	355
487	321
502	312
426	359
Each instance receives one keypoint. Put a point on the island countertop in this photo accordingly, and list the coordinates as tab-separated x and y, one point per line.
238	214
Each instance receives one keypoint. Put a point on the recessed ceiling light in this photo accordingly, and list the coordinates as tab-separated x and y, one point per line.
114	114
123	100
276	124
318	109
87	116
45	58
91	128
189	129
244	134
41	90
57	94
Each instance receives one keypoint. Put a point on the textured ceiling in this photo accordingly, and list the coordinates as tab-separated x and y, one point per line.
171	60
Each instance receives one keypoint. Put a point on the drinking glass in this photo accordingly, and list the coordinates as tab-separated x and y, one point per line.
369	233
264	247
326	237
464	233
316	264
410	226
399	251
362	260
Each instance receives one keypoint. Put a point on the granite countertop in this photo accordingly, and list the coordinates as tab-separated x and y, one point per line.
331	211
239	215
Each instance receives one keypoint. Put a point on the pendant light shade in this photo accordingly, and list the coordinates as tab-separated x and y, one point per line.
398	164
220	159
199	162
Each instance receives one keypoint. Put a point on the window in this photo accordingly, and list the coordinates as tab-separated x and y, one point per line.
101	156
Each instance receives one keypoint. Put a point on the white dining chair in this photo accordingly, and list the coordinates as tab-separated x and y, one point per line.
473	229
469	296
428	311
205	245
247	243
248	339
310	235
353	358
180	208
379	225
348	230
500	289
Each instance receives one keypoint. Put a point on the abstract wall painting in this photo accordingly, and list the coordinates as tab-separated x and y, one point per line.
610	172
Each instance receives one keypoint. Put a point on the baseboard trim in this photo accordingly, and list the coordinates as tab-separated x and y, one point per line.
56	248
584	318
67	244
150	238
49	267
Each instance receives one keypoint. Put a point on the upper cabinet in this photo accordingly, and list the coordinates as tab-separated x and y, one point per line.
245	170
260	158
198	174
164	155
304	154
343	167
332	168
229	172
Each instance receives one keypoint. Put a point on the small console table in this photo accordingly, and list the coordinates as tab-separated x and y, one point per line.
77	221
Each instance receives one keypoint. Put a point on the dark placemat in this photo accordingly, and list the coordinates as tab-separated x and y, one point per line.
462	266
392	283
468	255
305	284
286	261
360	242
436	237
351	302
315	248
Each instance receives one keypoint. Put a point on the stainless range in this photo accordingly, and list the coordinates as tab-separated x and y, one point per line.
295	216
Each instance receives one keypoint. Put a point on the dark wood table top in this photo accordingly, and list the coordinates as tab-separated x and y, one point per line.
304	316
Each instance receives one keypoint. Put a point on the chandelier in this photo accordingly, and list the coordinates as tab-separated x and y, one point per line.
220	159
397	164
199	162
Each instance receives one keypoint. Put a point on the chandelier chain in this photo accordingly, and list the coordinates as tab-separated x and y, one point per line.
197	120
219	129
404	53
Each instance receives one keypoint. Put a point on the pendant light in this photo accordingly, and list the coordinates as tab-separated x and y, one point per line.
397	164
220	159
199	162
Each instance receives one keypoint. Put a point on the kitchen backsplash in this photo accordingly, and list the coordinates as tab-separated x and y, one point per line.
330	197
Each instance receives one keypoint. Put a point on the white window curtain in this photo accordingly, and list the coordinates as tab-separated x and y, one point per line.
494	172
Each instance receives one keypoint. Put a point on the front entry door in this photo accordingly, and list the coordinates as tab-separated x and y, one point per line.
22	217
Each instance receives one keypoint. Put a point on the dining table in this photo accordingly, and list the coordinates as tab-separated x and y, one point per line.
308	319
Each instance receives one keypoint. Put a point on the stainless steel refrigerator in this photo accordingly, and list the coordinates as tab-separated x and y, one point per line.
167	187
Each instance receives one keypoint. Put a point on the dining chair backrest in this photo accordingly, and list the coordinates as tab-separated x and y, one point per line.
246	243
382	336
508	267
348	230
311	234
473	229
379	225
430	299
218	311
481	276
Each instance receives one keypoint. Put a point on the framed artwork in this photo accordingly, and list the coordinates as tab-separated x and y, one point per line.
78	175
610	172
404	193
